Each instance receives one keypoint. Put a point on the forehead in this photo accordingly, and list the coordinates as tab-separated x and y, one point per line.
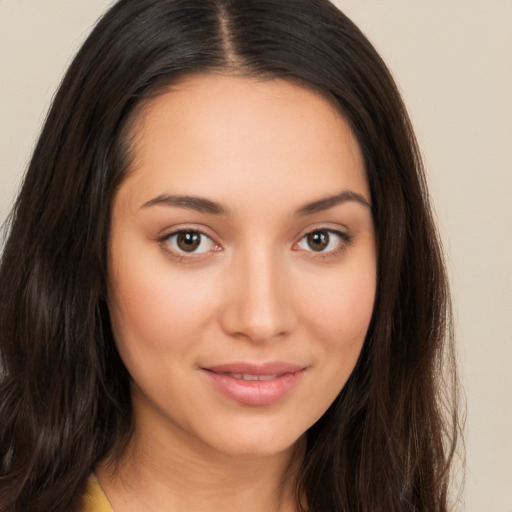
218	134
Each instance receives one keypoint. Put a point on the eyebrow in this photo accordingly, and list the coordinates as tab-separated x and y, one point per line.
330	202
203	205
198	204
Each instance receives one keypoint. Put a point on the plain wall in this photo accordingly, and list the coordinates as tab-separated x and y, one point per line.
453	62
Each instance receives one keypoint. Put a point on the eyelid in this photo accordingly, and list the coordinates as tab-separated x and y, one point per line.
344	237
163	239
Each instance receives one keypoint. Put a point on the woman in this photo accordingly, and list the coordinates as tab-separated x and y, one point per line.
222	286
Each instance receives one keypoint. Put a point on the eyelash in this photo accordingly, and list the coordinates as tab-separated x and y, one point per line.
179	254
345	240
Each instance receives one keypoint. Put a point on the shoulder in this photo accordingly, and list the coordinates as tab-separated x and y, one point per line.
94	499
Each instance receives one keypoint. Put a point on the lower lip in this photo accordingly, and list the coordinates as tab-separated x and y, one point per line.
254	392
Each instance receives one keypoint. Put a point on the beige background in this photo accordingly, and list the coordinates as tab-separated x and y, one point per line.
453	62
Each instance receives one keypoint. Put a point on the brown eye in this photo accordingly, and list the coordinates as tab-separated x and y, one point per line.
324	241
190	242
318	240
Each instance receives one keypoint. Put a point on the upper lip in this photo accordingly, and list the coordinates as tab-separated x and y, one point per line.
269	368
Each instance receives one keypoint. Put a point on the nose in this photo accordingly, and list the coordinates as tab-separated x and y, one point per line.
258	303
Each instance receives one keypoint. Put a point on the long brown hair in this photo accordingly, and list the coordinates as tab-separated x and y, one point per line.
387	442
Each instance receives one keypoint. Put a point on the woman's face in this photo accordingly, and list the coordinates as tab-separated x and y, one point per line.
242	263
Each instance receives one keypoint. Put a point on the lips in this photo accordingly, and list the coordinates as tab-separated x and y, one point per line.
251	377
253	384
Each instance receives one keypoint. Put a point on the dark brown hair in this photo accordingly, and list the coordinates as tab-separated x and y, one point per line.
387	441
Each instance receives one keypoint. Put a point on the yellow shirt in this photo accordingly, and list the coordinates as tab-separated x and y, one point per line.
94	498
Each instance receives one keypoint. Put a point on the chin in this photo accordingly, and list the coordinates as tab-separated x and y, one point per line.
261	440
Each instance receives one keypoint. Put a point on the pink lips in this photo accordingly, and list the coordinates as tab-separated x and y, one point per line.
252	384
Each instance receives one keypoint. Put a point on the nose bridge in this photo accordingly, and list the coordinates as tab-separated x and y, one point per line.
258	306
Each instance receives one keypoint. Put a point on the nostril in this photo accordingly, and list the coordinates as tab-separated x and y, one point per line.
257	321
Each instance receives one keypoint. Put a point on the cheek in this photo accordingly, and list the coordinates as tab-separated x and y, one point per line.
353	308
337	313
154	308
340	307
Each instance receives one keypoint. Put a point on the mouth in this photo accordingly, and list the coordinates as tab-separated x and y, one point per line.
254	385
249	377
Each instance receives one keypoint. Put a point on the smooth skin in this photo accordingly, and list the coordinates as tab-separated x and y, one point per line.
243	233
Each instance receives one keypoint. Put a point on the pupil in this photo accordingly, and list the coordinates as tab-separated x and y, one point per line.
318	240
189	242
